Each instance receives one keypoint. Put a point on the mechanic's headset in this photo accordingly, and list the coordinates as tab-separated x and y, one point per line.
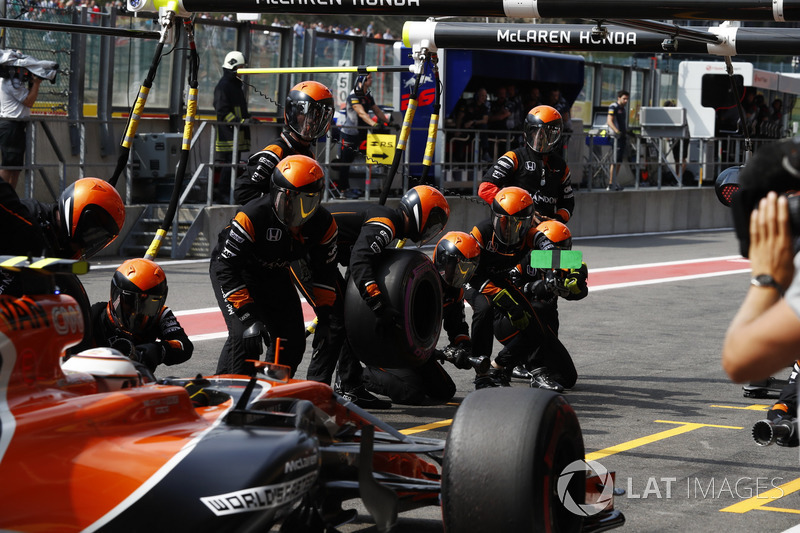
776	167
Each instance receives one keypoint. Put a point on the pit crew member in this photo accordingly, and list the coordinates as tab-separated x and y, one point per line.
543	287
136	320
535	168
499	308
456	257
307	116
250	266
365	231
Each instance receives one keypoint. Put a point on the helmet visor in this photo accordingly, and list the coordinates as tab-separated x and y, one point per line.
96	229
294	208
457	271
310	120
544	137
510	229
134	310
437	220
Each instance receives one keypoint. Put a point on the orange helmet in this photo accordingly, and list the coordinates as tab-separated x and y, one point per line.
557	232
543	126
92	214
296	189
138	292
512	214
456	257
427	211
308	110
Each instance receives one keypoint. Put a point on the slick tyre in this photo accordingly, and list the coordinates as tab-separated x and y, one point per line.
503	457
410	281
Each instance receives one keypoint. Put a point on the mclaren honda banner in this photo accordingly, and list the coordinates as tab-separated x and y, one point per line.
606	38
775	10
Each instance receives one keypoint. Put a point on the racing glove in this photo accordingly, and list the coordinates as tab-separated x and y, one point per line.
537	290
322	330
150	354
387	316
517	314
197	391
254	332
264	166
541	242
380	127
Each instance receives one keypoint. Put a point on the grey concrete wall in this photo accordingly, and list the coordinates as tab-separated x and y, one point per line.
596	213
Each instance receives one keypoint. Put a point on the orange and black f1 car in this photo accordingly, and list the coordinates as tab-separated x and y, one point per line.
86	446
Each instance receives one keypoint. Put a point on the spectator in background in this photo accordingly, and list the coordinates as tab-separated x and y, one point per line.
354	130
517	113
17	96
498	110
299	29
617	121
533	99
388	34
559	103
230	103
473	114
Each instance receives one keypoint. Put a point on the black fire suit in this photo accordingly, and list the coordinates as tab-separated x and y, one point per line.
546	177
252	282
429	383
162	341
365	230
488	320
256	181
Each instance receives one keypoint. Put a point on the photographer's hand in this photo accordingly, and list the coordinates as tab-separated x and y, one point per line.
771	250
764	336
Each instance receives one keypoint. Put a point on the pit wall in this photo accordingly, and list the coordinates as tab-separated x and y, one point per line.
596	213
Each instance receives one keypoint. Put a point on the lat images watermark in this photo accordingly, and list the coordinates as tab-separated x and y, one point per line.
740	488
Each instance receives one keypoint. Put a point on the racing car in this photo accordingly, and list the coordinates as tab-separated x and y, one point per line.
86	445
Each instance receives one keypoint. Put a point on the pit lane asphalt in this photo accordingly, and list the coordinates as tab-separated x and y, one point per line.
653	402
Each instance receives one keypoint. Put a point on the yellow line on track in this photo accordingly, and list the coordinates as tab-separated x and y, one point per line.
683	427
756	407
762	499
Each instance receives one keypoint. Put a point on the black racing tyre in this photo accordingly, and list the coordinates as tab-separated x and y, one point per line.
503	457
410	281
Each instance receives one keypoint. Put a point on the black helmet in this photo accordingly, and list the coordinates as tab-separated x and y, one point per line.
296	189
138	293
309	110
91	216
456	257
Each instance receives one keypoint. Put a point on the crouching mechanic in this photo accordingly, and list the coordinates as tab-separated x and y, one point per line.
306	117
250	267
456	257
136	320
500	309
543	288
365	232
